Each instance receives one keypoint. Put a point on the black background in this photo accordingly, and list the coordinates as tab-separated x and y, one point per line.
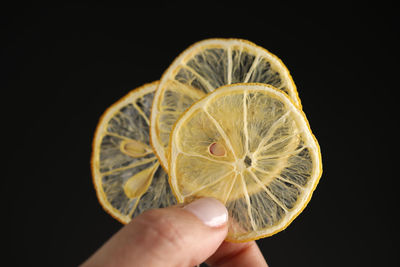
61	68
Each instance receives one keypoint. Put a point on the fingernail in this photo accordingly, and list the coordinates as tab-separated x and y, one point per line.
209	210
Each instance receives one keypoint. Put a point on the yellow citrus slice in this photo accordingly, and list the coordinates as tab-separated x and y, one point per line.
205	66
126	173
251	147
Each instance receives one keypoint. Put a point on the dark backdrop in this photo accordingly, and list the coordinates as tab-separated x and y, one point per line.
61	68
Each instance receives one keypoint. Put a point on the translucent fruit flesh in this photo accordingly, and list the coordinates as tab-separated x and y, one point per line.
267	163
201	69
126	173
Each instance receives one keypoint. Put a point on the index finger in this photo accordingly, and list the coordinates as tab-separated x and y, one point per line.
237	254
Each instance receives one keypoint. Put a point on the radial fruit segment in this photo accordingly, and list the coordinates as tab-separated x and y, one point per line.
251	147
201	69
126	173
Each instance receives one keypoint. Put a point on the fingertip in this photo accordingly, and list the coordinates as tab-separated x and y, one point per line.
184	236
209	210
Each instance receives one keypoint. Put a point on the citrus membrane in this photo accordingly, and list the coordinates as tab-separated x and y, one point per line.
126	173
201	69
251	147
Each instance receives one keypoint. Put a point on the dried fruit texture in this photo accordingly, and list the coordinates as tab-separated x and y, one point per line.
201	69
250	146
126	173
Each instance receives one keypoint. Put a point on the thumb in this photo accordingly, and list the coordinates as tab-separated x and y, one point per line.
172	236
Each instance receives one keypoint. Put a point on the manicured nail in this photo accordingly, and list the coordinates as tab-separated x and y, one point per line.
209	210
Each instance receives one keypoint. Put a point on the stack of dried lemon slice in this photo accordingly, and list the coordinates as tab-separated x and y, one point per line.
225	121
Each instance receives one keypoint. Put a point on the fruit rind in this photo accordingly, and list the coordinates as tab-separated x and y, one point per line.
104	118
154	133
317	167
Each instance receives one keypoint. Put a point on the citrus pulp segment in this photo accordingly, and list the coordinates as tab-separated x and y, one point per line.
268	161
126	173
201	69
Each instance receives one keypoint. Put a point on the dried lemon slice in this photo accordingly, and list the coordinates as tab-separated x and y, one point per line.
126	173
205	66
251	147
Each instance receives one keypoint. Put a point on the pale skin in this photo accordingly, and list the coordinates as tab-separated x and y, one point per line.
177	236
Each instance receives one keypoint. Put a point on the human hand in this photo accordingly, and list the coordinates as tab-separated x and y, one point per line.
177	236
